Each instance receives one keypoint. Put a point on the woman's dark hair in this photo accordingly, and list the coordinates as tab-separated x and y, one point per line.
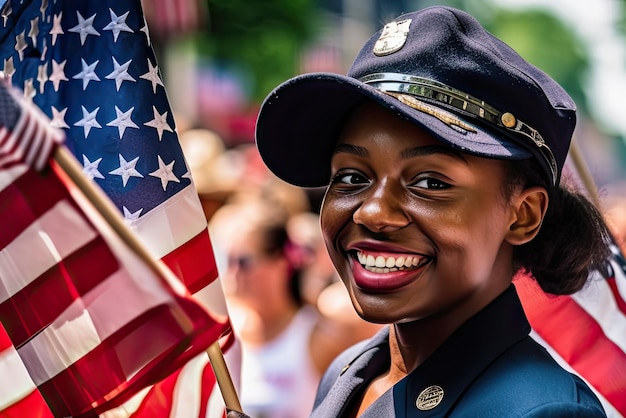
573	239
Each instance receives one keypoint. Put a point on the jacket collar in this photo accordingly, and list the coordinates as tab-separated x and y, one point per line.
470	349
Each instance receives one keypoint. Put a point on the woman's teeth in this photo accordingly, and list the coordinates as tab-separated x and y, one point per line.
380	264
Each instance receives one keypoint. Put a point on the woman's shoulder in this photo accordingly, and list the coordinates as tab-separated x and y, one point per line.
349	356
527	382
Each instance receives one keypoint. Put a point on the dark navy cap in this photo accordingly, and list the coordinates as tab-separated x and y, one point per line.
437	68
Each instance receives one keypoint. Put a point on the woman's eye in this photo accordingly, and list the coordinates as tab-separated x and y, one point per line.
431	183
349	178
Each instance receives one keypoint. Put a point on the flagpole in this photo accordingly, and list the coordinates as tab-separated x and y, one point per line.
72	168
584	173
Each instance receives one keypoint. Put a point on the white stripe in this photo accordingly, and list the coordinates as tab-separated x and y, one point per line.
172	223
15	384
610	410
216	405
88	321
212	298
9	175
129	407
620	279
598	301
37	134
23	132
44	151
187	390
57	233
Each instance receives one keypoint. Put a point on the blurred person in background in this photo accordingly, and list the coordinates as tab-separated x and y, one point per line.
615	213
286	342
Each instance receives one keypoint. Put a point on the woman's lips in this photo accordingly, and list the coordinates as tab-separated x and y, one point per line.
386	273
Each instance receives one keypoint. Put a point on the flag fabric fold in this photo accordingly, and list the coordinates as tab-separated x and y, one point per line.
89	66
585	332
91	322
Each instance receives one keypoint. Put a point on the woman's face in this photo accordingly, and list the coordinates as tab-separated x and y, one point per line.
415	229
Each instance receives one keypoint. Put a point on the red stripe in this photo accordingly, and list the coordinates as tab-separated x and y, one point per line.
32	406
5	134
193	262
25	200
159	400
90	382
578	339
621	304
26	137
206	388
36	135
5	341
32	309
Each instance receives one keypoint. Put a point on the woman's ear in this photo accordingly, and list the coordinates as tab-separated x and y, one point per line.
529	208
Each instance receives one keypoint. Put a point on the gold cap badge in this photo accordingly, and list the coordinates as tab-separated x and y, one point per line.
429	398
392	38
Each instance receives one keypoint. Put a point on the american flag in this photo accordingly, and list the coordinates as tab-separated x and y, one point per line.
90	67
586	332
91	321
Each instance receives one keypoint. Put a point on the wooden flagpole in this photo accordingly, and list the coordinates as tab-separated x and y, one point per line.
68	163
584	173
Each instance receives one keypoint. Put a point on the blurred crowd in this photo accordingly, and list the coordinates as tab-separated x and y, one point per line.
290	313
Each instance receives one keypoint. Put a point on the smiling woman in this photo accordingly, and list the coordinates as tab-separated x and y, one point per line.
442	151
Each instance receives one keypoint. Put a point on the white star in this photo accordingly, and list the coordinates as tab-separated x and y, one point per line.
131	217
126	170
165	173
159	122
187	175
91	168
6	12
123	120
58	74
84	27
20	45
29	90
34	30
120	73
88	73
42	76
88	121
153	76
42	9
117	24
9	67
145	30
58	118
57	29
44	50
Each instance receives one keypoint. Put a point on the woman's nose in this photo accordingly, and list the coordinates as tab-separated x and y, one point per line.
383	209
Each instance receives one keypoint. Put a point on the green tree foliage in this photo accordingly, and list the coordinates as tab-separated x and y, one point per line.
545	41
262	38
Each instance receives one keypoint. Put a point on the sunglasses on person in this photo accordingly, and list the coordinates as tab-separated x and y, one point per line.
243	262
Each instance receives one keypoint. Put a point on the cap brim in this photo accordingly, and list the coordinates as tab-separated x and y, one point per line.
300	120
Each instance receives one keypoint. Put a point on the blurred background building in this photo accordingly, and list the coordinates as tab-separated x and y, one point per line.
220	58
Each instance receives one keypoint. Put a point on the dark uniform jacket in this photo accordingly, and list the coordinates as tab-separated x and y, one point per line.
489	368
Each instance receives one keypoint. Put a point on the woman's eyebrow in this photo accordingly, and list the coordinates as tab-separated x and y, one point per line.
351	149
